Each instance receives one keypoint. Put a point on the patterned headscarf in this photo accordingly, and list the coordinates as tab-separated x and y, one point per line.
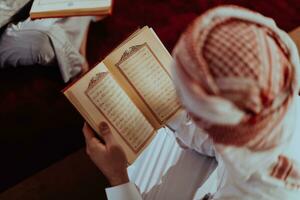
236	74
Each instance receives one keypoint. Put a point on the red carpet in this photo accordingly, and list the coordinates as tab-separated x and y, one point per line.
170	17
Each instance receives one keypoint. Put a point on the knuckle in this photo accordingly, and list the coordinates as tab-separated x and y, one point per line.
93	146
105	133
115	147
87	151
84	130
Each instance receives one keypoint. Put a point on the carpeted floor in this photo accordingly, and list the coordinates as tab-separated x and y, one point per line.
75	177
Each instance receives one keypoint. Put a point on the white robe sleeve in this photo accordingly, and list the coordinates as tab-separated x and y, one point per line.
127	191
190	135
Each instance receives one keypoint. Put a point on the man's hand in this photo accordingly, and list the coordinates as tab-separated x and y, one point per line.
109	157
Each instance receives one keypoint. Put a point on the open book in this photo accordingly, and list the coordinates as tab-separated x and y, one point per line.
131	89
64	8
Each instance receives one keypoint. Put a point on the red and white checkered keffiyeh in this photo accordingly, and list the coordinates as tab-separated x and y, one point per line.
236	74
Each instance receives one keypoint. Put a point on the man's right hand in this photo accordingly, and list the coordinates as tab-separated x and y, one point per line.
110	158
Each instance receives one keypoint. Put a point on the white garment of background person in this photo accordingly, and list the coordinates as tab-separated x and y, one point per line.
45	42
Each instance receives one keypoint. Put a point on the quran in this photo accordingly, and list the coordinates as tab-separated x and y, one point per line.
65	8
131	90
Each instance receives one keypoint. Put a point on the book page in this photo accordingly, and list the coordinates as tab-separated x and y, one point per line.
104	100
116	106
144	63
151	81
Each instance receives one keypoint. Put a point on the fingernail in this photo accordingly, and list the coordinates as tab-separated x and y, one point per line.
103	126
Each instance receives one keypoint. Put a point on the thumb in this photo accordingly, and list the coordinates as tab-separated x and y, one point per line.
106	133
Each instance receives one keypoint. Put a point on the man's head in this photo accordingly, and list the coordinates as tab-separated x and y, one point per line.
235	72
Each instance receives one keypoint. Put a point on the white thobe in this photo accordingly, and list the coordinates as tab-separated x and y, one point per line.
241	174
